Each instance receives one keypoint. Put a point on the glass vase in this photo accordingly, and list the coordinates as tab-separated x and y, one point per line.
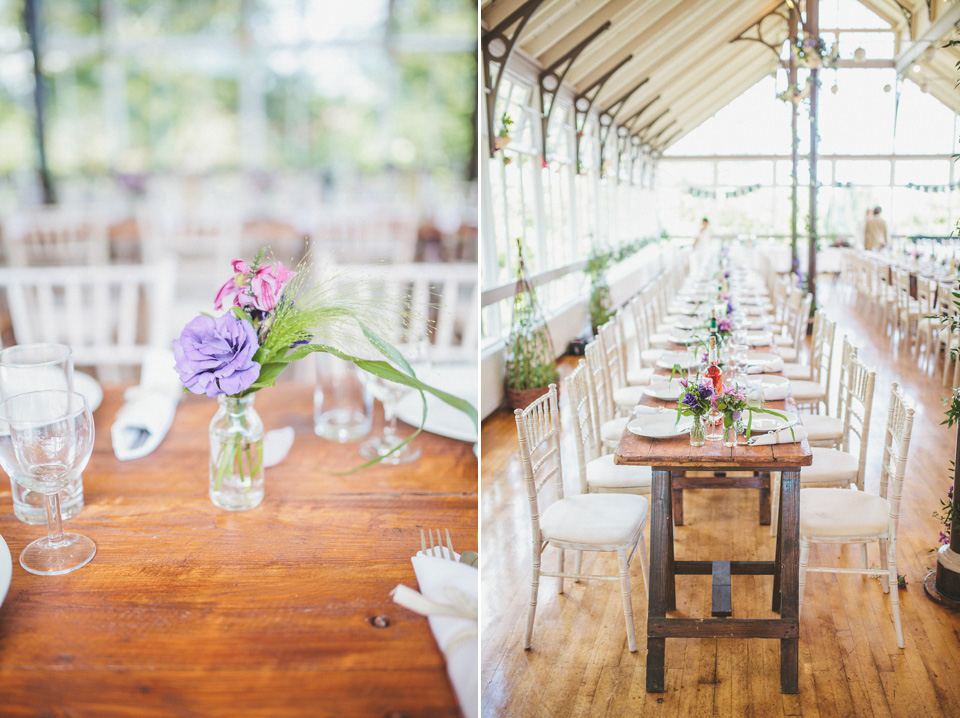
714	425
730	434
236	455
698	431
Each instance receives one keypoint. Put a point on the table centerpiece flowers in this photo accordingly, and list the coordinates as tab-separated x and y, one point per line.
273	318
696	400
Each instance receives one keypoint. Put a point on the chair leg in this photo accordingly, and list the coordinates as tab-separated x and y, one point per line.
577	565
561	562
894	587
627	604
863	555
885	578
642	556
804	556
774	502
532	609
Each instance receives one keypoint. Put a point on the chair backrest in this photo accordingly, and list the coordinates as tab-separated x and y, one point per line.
787	311
584	427
641	329
856	417
927	296
821	353
50	236
443	301
99	311
612	356
800	320
847	353
355	234
895	447
538	431
600	387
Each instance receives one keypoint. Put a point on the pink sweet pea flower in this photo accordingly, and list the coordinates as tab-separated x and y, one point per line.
267	284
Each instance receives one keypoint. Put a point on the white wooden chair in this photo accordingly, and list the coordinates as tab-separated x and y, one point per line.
625	397
111	316
908	309
813	392
635	374
827	429
794	369
647	354
789	345
610	427
51	236
840	467
443	301
597	472
586	522
850	516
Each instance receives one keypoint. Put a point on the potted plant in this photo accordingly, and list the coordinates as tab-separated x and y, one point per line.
503	135
531	365
596	270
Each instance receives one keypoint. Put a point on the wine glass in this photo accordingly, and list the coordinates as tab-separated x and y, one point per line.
45	436
389	394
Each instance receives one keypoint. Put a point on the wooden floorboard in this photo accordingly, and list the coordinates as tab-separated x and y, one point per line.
849	661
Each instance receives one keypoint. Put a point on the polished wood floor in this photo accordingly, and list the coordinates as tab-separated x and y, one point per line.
849	661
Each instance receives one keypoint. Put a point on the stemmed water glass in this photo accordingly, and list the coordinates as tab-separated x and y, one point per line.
389	394
45	436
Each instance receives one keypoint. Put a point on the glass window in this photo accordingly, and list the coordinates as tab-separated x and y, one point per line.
858	119
863	172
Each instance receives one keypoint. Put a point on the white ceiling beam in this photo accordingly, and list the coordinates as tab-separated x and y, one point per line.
568	38
943	27
583	13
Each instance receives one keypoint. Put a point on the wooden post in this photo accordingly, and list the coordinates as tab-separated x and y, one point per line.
813	32
31	21
795	153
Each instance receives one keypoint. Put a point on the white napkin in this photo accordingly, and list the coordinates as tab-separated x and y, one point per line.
766	367
644	409
276	445
143	422
451	583
776	392
788	435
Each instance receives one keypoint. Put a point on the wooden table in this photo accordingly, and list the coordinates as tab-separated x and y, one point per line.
670	457
284	610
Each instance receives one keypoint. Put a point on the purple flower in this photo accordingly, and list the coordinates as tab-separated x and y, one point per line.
724	325
736	415
215	355
690	401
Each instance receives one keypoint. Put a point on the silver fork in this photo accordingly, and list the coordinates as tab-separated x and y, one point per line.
439	545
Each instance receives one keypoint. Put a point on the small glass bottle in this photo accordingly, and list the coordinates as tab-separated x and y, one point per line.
714	418
236	455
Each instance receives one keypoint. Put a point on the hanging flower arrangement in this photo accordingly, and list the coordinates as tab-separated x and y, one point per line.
812	53
796	93
503	135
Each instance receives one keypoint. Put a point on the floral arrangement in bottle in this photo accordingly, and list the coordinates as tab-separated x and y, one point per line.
696	400
273	317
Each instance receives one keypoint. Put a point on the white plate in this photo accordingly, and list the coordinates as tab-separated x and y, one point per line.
761	359
772	380
769	422
662	425
6	569
689	310
666	390
681	338
686	360
89	387
688	323
442	419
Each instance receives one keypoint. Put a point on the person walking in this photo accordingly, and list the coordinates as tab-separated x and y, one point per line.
875	232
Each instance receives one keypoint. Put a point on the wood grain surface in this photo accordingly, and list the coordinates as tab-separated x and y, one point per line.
188	610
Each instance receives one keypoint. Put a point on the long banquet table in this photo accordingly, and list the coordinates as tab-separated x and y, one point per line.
284	610
672	457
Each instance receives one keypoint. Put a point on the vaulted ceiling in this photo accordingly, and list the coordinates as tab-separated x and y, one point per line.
661	67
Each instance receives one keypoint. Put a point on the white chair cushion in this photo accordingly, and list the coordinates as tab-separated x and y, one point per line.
602	473
782	341
796	371
638	377
788	353
650	356
822	428
842	513
612	430
595	519
627	396
829	466
805	390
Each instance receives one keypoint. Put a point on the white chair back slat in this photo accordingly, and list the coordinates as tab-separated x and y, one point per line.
856	419
578	397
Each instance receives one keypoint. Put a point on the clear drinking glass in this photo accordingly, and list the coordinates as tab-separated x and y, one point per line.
342	402
49	436
30	367
389	394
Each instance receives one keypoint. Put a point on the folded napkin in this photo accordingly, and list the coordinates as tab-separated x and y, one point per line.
644	409
276	445
448	597
766	367
776	392
788	435
143	421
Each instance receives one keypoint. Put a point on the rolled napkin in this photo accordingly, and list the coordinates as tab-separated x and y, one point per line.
787	435
767	367
644	409
143	422
448	597
776	392
276	445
